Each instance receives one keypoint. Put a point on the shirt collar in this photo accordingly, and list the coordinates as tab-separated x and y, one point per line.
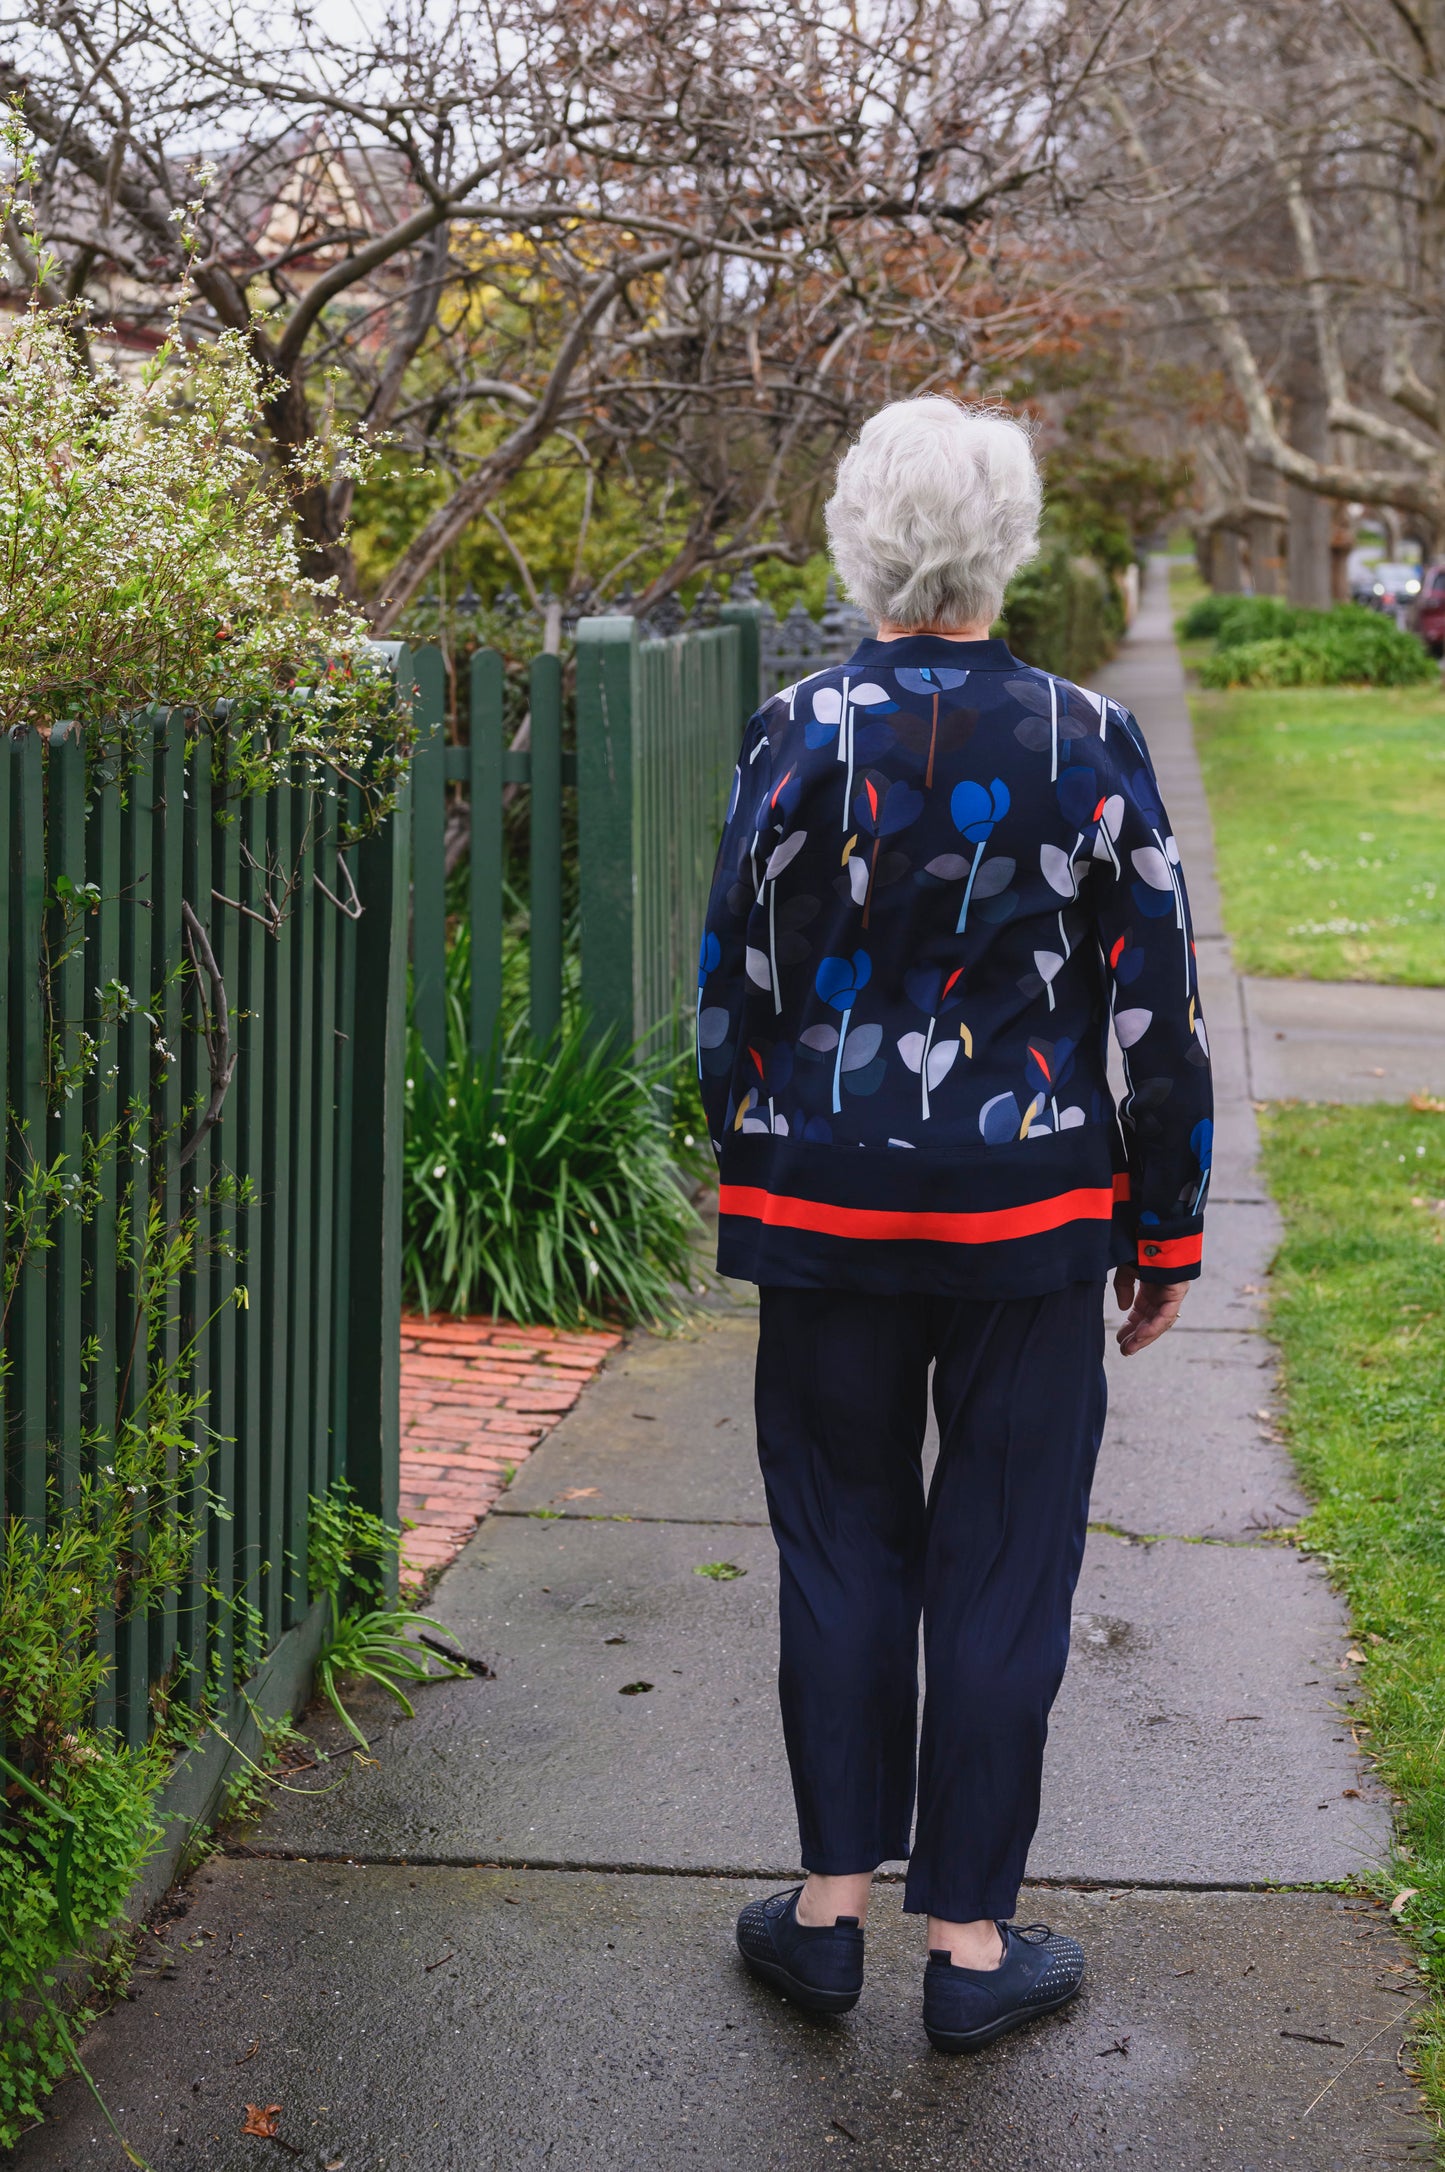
916	649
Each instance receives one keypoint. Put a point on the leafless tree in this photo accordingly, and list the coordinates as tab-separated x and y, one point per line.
496	227
1286	215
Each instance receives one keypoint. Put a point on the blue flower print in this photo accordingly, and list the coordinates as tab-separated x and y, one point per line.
976	809
840	982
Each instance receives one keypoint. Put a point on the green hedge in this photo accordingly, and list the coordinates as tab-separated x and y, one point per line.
1233	620
1349	646
1062	613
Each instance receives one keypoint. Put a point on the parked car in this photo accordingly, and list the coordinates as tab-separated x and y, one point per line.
1427	618
1393	590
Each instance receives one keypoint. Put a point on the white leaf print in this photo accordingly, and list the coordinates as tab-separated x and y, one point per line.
712	1027
1071	1118
940	1062
785	853
1039	1130
1171	851
755	1123
1112	819
1058	869
827	704
780	1125
862	1047
901	1142
1101	844
1131	1026
867	695
910	1048
1096	700
995	876
759	971
1152	867
858	877
823	1038
1047	963
949	867
1200	1035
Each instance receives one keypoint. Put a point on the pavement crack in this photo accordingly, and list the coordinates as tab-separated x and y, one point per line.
595	1866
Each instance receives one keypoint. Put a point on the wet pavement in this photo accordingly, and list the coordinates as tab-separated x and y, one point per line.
506	1941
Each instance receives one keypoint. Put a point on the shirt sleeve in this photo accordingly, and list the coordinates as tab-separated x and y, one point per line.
1144	929
722	961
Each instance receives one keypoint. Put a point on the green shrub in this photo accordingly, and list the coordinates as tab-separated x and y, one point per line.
1349	646
540	1183
1062	613
109	1790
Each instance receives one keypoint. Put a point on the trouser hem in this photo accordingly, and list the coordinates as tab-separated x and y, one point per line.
860	1863
995	1904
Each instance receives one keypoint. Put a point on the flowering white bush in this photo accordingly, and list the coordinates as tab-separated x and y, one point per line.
148	553
148	548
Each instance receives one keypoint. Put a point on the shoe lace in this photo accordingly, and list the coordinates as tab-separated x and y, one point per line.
1036	1934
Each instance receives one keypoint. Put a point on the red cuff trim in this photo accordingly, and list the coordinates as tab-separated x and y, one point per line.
1160	1252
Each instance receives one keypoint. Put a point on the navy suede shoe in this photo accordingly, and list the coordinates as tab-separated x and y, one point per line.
964	2008
820	1968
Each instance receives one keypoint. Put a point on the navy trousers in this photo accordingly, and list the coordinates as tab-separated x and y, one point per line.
989	1560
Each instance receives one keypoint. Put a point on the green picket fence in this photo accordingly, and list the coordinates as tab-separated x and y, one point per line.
656	728
117	887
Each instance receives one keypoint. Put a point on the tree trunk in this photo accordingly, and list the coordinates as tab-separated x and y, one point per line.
1266	543
1310	515
1226	573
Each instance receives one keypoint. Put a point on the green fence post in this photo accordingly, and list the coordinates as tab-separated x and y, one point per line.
102	1114
65	936
485	899
429	880
27	1334
607	690
546	847
748	620
373	1418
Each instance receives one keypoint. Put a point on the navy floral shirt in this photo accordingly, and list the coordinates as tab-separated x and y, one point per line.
944	876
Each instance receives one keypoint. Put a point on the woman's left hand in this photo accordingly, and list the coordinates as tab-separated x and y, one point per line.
1153	1307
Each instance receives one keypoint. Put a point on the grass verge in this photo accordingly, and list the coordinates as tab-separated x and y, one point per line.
1359	1314
1327	805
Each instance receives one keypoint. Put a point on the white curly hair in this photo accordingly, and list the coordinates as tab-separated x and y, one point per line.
935	507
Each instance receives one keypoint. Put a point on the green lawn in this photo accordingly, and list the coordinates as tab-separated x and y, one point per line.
1329	810
1358	1307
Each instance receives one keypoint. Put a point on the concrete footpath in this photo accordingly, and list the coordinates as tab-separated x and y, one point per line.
507	1941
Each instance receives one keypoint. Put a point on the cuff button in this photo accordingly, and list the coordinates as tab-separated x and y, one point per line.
1151	1251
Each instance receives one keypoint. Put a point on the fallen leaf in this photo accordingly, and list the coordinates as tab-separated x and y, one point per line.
721	1572
1354	1657
634	1689
614	1640
576	1493
1427	1105
1397	1905
262	2121
1120	2044
248	2054
336	2164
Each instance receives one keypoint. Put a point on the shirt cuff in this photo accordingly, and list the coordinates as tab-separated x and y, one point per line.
1170	1256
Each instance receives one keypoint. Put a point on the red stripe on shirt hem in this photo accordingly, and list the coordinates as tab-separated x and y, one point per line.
883	1224
1171	1251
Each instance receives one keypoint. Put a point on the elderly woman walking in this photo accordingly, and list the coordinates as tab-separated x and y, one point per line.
944	876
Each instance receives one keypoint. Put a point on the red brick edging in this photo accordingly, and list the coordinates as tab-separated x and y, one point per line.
476	1396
